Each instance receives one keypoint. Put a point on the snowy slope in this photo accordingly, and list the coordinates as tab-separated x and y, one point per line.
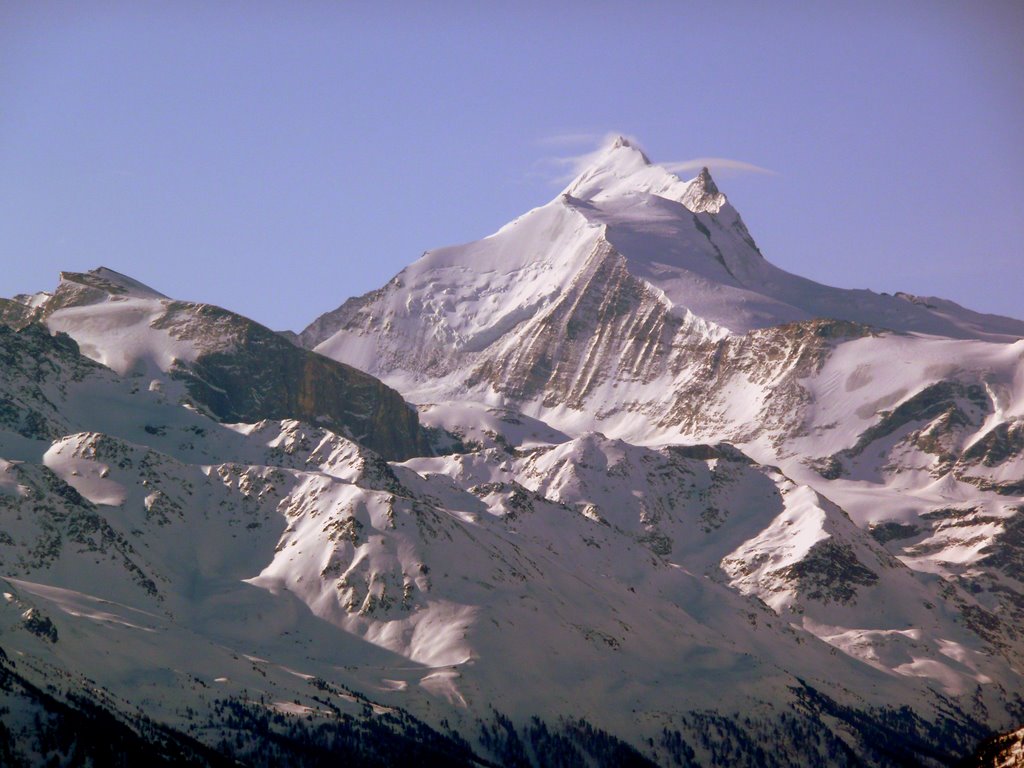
679	507
282	564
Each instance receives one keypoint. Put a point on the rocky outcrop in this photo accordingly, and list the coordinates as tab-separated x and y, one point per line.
769	364
607	326
15	314
36	367
1003	751
253	373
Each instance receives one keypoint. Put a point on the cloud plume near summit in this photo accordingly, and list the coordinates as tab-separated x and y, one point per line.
716	164
561	169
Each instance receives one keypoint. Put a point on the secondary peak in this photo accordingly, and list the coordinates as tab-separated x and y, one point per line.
705	181
702	194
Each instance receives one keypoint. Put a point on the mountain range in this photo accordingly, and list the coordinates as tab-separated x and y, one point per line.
604	488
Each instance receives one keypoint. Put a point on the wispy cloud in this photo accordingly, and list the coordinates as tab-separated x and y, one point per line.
563	168
716	164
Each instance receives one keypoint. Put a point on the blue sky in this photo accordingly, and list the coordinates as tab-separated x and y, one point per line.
277	158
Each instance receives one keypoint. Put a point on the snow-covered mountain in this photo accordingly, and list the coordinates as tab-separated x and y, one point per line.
662	503
221	362
675	253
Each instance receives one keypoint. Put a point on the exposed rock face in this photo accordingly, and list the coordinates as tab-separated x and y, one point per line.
63	522
945	409
39	625
606	326
1003	751
830	571
769	365
36	369
1000	446
15	314
255	373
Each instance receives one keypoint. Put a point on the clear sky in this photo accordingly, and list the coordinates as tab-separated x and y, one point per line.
277	158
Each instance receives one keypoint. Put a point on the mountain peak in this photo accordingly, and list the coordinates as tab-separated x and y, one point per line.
624	142
705	180
703	195
619	153
620	169
613	170
111	282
